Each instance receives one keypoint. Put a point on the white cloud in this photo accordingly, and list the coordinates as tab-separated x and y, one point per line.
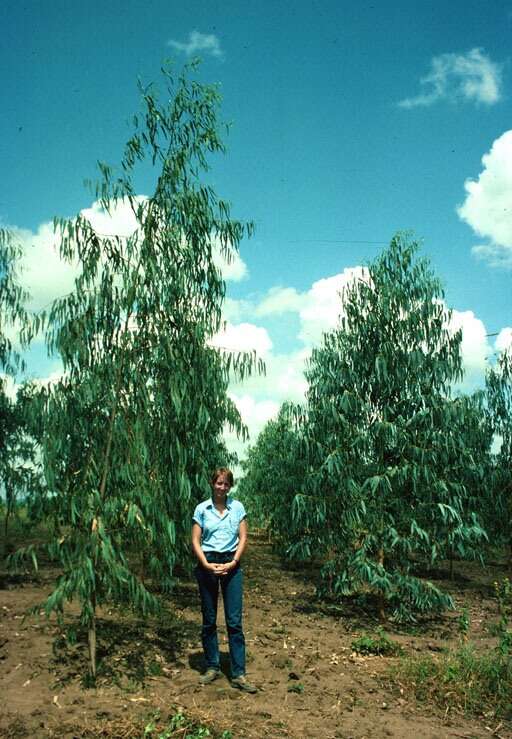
488	204
255	414
283	379
470	77
475	348
503	341
243	337
43	272
119	221
206	43
319	308
280	300
234	310
323	305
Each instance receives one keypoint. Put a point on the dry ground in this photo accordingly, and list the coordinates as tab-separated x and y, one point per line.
311	684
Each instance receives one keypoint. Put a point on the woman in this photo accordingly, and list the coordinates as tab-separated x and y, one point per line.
219	536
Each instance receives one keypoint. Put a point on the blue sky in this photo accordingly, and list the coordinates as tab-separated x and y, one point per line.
335	144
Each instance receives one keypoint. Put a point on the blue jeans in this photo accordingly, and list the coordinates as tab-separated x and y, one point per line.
231	585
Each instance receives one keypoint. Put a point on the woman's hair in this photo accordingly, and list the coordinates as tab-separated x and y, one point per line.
222	471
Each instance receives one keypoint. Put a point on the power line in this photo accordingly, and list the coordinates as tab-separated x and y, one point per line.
334	241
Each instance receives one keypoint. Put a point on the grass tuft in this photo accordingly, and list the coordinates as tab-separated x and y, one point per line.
461	680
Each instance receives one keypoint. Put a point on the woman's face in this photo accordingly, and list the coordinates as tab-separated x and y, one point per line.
221	486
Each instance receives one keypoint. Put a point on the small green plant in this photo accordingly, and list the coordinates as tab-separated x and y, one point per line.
503	591
463	624
154	668
296	688
179	725
380	644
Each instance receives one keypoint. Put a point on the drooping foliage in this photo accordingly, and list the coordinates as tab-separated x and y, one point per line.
13	298
133	426
380	431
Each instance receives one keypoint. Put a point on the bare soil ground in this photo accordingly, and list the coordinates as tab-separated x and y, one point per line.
311	683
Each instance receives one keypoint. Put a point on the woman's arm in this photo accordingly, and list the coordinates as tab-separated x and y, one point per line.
196	547
242	540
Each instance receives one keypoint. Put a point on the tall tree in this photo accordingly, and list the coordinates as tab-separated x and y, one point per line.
499	402
16	454
132	426
20	465
378	427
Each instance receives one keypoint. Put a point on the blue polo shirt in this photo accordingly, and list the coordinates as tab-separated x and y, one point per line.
219	533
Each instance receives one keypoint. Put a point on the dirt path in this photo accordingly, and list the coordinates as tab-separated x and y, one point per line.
311	684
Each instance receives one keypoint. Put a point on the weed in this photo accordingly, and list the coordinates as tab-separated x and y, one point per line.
462	680
380	644
503	592
179	725
296	688
463	624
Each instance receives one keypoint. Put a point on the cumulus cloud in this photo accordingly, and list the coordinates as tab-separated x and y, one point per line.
206	43
475	348
470	77
280	300
43	272
503	341
488	204
323	306
243	337
119	220
283	379
319	308
255	414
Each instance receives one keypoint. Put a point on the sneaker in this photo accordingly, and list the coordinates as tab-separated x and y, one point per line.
209	676
241	683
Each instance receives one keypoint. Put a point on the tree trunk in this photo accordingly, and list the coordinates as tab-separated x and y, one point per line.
92	639
382	602
8	511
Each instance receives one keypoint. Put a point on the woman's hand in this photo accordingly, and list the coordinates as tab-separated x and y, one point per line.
214	567
227	567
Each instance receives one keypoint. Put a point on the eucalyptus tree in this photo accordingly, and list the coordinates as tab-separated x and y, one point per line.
135	420
20	467
499	402
15	452
379	433
274	472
